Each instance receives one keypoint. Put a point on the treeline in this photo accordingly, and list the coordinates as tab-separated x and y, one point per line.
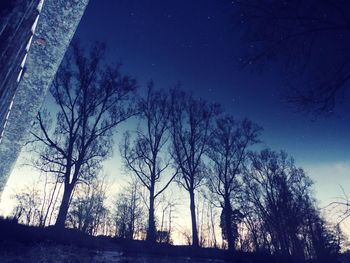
264	200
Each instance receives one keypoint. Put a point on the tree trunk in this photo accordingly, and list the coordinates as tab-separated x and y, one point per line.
63	211
50	203
195	241
151	231
297	252
228	224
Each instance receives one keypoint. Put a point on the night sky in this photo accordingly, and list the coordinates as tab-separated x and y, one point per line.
196	43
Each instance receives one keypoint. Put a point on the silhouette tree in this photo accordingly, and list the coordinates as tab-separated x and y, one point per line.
28	205
144	156
128	212
228	151
279	193
165	224
229	220
191	128
91	100
281	211
35	202
321	240
341	206
88	208
309	38
207	217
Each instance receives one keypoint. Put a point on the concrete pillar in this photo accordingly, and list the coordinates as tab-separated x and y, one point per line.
54	24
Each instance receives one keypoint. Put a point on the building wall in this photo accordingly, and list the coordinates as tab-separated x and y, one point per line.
16	23
54	30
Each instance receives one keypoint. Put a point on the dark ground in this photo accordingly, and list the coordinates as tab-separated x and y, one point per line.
20	243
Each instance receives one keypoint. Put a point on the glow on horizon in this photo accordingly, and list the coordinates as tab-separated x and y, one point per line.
327	178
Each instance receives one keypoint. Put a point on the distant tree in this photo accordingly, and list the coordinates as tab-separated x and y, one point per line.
91	100
163	236
256	236
35	201
207	217
166	221
309	38
187	237
279	193
145	156
191	128
281	211
28	204
128	212
228	152
50	195
88	208
321	240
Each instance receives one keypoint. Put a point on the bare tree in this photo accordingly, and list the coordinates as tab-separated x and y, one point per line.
28	205
128	212
165	223
310	39
279	193
228	151
91	100
191	129
144	156
340	207
51	200
322	241
280	209
34	202
207	221
88	208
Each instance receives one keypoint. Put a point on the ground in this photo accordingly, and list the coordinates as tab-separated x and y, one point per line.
20	243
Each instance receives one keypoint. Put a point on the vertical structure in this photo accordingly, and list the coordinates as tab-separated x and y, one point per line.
16	30
34	36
